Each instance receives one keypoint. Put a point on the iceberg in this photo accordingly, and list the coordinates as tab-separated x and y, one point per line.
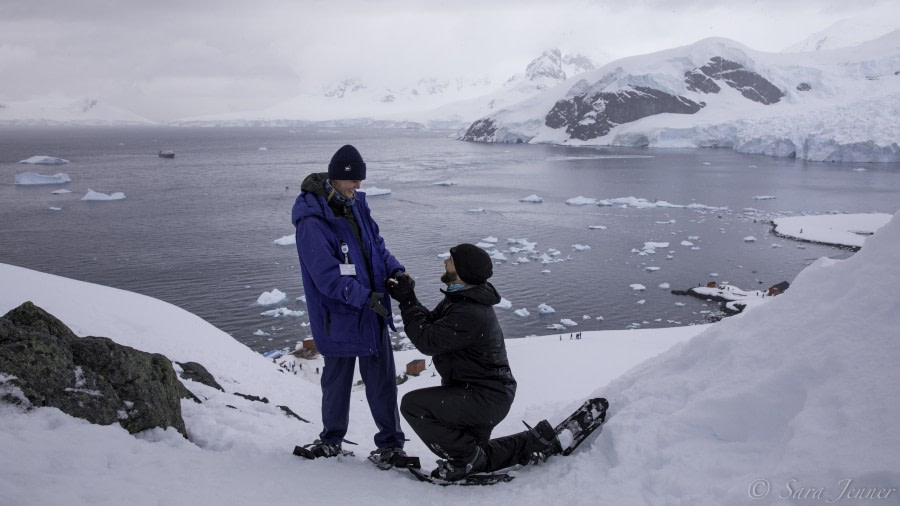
61	192
373	191
92	195
534	199
288	240
27	178
45	160
269	298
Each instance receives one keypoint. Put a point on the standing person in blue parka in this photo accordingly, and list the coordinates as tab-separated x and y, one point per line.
345	263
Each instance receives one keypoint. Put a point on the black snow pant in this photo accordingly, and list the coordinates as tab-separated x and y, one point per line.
452	420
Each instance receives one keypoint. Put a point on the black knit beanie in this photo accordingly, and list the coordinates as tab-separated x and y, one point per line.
473	264
347	164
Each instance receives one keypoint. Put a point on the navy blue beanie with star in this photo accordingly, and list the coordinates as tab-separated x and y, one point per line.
347	164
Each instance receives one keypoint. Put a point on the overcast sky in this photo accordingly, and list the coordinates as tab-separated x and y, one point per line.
166	59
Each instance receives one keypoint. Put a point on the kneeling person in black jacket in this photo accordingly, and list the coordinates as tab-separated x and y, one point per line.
477	387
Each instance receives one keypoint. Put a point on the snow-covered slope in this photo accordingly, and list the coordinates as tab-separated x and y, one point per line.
834	105
58	110
845	33
798	396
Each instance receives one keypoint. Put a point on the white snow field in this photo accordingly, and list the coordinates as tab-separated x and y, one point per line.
799	396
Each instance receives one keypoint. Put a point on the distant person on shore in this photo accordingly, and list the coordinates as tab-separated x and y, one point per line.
477	387
345	263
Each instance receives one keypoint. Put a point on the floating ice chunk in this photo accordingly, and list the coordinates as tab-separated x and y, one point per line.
642	301
749	238
599	318
485	245
476	210
522	312
554	252
764	197
545	309
568	323
545	271
490	239
585	317
776	246
373	191
32	178
556	326
860	169
523	260
534	199
302	299
637	287
61	191
444	183
650	248
693	237
680	304
665	222
56	209
713	274
664	286
269	298
695	248
580	247
597	227
651	269
705	163
263	148
288	240
92	195
498	256
444	255
259	332
44	160
503	304
282	311
687	243
581	201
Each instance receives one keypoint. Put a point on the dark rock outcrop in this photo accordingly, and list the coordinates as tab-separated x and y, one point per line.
589	116
700	82
750	84
92	378
804	87
483	130
196	372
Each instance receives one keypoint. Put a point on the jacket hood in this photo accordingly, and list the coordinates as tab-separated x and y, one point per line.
315	183
484	293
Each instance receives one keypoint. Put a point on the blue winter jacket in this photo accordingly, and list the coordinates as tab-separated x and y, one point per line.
342	323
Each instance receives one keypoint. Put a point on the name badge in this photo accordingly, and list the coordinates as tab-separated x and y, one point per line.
348	269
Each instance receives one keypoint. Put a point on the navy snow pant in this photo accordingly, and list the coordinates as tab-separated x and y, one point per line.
452	420
380	377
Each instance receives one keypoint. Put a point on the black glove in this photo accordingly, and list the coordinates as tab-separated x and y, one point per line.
375	305
401	289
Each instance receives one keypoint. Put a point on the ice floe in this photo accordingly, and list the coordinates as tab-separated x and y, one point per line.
534	199
29	178
92	195
445	183
522	312
61	191
637	287
545	309
373	191
281	312
288	240
44	160
269	298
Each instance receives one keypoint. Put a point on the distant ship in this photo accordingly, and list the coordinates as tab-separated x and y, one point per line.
166	153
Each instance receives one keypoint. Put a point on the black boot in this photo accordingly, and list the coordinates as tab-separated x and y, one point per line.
456	469
542	442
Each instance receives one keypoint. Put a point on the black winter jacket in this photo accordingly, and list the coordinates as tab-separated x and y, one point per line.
464	337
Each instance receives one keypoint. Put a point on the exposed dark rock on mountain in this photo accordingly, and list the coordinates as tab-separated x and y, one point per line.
804	87
92	378
750	84
483	130
593	115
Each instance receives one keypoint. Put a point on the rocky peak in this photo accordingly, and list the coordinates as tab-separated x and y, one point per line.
548	64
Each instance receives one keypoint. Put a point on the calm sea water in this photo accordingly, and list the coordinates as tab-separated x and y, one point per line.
198	230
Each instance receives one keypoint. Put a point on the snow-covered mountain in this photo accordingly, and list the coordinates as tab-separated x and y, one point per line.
429	102
833	105
59	110
845	33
